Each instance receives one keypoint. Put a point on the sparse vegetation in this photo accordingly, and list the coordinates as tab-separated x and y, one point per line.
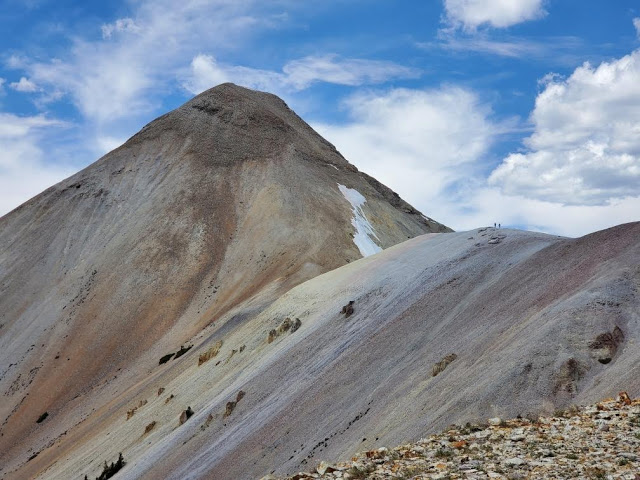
444	453
442	364
131	412
109	471
287	325
149	427
175	355
210	353
347	310
182	351
165	358
230	407
360	472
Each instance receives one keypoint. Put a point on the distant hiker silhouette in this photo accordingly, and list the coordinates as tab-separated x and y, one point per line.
494	224
498	225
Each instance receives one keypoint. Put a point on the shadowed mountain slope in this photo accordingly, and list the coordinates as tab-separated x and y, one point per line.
208	214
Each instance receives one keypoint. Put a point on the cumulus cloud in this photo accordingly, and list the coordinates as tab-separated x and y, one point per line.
296	75
433	147
24	169
425	144
24	85
585	148
470	14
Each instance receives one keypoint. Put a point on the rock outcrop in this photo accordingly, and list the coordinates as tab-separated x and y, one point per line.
598	441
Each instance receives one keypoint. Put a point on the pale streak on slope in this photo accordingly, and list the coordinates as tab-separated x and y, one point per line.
364	230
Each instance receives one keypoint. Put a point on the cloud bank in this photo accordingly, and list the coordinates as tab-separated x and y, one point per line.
471	14
585	149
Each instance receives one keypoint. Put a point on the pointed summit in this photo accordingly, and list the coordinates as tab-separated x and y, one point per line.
210	212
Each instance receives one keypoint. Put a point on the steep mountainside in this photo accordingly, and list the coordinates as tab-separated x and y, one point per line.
206	216
511	323
448	328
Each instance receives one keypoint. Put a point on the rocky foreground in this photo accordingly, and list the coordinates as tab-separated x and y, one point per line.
595	442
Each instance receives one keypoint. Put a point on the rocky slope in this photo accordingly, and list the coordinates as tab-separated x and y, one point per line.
170	303
601	441
443	328
220	206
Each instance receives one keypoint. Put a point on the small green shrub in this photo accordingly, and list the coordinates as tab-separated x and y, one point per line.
182	351
166	358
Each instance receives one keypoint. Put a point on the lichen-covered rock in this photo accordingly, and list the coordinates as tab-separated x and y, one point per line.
547	448
442	364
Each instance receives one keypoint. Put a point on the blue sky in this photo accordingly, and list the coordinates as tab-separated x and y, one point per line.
523	112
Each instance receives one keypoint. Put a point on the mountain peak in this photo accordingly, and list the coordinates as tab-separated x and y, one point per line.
247	122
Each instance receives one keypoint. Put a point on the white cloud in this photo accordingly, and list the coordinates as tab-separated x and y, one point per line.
421	143
349	71
115	77
207	72
636	24
558	50
2	81
585	149
470	14
13	126
24	85
24	170
120	25
484	205
106	143
433	148
517	48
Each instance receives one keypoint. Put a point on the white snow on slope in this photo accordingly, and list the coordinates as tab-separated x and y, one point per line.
364	231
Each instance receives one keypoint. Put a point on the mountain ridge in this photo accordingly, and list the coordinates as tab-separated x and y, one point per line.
197	216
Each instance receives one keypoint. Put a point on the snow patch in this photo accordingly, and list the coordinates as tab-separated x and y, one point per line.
364	231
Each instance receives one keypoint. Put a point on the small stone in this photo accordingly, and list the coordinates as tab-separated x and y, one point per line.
629	456
623	397
186	415
324	467
496	421
515	461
